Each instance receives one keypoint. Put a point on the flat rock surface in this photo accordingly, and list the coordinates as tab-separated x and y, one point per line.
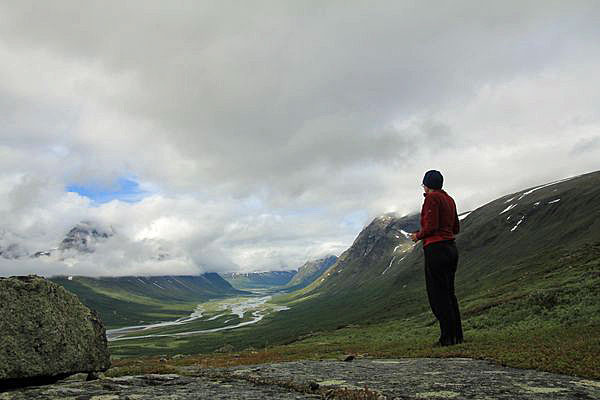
423	378
154	387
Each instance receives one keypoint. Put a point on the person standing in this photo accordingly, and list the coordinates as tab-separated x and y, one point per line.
439	224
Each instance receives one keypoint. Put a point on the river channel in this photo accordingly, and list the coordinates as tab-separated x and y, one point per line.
235	307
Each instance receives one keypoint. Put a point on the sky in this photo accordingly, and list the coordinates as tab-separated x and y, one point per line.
240	136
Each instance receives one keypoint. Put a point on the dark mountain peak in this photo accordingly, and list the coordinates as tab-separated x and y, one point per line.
83	236
381	232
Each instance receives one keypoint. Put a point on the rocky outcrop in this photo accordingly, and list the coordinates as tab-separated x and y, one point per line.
369	379
46	333
152	387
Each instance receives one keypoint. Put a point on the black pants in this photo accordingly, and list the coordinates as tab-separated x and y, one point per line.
441	259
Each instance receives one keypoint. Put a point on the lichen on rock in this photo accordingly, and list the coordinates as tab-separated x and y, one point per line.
46	333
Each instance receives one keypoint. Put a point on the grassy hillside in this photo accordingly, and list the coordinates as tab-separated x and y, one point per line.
132	300
529	290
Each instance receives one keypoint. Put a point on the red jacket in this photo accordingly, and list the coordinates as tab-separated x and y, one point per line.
439	219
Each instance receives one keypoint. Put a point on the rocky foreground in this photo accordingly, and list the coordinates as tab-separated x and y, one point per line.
428	378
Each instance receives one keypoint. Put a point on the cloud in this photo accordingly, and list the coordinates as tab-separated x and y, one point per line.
254	132
586	145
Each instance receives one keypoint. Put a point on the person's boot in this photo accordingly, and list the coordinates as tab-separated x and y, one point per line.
459	335
446	342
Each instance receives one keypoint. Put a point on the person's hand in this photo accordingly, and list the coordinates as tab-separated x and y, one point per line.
413	237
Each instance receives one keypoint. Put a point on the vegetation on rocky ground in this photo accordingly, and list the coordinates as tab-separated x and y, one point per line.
572	351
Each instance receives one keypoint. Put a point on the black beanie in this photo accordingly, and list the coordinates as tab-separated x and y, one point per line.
433	179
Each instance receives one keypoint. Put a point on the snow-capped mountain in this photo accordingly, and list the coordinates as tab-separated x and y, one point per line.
84	236
81	239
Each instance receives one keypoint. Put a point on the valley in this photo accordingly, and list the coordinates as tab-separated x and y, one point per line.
535	281
528	272
212	316
146	300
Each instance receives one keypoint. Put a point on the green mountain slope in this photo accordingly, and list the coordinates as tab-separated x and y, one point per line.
131	300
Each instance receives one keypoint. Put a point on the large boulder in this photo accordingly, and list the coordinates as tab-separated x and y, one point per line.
46	333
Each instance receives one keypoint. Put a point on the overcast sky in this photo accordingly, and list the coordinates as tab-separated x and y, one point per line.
257	135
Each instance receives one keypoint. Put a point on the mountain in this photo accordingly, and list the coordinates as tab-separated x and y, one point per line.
286	280
258	280
130	300
310	271
383	242
84	236
81	239
539	245
532	221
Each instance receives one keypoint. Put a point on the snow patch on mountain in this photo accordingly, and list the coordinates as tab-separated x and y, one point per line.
517	224
544	186
508	208
464	215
